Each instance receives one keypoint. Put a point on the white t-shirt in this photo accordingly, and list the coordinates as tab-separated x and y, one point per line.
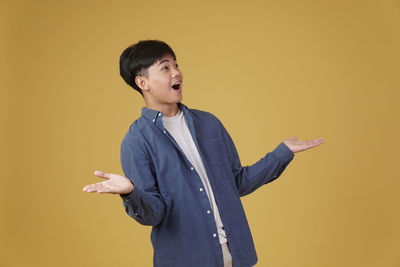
179	130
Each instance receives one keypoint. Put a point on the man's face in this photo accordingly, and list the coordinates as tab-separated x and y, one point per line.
164	82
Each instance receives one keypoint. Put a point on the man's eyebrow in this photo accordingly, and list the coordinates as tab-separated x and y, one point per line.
165	60
162	61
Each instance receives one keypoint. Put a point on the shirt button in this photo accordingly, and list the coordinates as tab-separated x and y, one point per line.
159	114
154	120
135	214
214	235
192	168
208	211
201	189
165	132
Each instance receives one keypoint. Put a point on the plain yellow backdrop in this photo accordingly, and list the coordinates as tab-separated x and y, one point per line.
268	70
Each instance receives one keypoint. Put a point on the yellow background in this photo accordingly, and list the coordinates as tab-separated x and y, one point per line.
268	69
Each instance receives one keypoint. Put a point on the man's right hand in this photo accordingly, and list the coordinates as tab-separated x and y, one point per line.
115	184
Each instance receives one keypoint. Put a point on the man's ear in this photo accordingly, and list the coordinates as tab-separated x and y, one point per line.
141	82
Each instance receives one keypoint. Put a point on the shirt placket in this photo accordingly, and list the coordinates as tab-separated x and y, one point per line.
205	202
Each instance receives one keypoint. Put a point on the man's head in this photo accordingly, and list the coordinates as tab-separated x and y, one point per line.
138	58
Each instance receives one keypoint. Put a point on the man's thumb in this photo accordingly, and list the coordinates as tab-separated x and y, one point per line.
102	174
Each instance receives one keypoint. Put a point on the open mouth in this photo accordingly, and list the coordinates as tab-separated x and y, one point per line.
176	86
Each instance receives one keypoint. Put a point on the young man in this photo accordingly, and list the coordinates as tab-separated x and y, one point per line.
184	176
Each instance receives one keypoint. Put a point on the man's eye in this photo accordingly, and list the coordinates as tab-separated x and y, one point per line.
176	65
165	68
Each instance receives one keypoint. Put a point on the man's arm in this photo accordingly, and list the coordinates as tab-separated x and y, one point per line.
145	203
141	197
267	169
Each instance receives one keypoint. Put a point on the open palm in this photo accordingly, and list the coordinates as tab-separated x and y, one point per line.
296	145
115	184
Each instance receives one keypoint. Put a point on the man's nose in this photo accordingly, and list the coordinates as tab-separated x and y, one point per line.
175	72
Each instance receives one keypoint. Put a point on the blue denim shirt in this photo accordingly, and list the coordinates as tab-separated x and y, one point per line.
169	195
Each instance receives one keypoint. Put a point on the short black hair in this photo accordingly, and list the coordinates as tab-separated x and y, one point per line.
137	58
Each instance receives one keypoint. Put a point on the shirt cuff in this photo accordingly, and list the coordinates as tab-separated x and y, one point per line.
133	196
283	153
132	199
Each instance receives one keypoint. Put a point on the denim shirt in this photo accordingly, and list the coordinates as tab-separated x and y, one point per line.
169	195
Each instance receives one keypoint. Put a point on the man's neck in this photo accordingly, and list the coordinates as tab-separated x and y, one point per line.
167	110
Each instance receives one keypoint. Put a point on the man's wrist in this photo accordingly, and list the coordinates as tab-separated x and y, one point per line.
132	187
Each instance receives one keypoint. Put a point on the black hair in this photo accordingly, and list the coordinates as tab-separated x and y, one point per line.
137	58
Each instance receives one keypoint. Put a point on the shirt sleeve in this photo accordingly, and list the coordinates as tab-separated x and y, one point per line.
264	171
145	203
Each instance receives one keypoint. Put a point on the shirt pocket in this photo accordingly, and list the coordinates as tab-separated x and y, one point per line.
214	150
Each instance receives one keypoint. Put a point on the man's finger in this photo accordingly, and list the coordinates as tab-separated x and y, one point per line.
102	174
91	190
316	142
104	191
93	186
87	187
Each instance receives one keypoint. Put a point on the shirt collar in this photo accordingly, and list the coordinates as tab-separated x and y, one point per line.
152	114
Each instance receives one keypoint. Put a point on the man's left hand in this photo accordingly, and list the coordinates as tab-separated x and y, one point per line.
297	146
